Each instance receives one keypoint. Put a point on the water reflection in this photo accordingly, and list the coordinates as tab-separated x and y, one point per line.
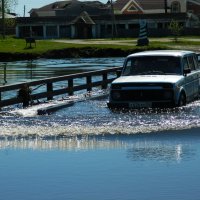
161	152
66	143
31	65
165	147
20	71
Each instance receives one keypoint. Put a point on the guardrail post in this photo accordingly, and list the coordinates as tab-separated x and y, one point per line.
0	100
5	74
49	91
89	83
105	78
70	87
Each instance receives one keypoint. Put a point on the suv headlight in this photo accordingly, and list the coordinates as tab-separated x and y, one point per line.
116	95
167	95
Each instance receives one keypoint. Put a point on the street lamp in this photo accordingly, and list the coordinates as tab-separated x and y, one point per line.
3	17
165	6
114	27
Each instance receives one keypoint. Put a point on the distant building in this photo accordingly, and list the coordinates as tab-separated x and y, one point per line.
9	24
150	6
8	15
93	19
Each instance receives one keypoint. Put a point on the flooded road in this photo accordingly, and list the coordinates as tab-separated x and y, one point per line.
94	118
88	152
86	117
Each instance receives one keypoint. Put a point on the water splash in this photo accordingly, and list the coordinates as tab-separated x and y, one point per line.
94	118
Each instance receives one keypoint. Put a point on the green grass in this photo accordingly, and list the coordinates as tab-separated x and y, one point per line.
13	45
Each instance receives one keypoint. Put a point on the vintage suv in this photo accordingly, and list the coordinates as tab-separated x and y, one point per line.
161	78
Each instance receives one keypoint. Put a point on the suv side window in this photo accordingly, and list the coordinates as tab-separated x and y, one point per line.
185	63
196	62
191	62
127	69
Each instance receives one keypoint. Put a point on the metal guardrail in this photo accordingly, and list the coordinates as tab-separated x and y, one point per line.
70	88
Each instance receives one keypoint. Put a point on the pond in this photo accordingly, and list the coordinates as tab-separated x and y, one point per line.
88	152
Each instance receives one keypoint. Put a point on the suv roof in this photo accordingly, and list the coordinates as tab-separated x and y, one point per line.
161	53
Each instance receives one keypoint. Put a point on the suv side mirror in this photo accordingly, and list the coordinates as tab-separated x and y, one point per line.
186	71
198	58
119	72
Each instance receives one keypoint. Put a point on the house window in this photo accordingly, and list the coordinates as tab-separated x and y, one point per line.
134	26
37	31
51	31
121	26
175	7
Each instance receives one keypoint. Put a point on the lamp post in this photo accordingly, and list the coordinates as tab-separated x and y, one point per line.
3	17
165	6
114	27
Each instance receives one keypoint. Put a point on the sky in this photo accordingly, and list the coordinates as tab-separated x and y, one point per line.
29	4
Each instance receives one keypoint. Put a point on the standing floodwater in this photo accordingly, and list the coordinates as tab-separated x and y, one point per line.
92	117
154	166
20	71
88	152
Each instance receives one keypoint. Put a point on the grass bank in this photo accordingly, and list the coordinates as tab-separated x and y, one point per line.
15	49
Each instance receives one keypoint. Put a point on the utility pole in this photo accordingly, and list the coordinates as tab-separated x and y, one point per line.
114	26
165	6
24	11
3	17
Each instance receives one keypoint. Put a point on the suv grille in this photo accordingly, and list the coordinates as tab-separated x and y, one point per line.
144	95
163	85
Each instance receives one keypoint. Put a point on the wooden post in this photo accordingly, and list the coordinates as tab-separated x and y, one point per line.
5	65
89	83
0	100
49	91
70	87
104	84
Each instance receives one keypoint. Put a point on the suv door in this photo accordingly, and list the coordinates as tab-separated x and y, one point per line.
192	78
188	83
197	76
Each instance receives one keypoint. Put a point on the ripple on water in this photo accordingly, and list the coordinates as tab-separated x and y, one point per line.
94	118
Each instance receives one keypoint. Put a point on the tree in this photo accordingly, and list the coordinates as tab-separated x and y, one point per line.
5	6
8	4
175	29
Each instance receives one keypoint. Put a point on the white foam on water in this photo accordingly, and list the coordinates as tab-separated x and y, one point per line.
31	111
84	130
94	118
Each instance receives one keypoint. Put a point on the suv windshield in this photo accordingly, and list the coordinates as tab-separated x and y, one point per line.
145	65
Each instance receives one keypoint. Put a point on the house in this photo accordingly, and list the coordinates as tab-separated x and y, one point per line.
8	15
94	19
61	19
190	7
149	6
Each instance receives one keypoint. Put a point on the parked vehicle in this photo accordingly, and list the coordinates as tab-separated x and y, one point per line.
163	78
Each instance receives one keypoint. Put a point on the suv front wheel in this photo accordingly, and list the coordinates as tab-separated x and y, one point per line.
182	100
